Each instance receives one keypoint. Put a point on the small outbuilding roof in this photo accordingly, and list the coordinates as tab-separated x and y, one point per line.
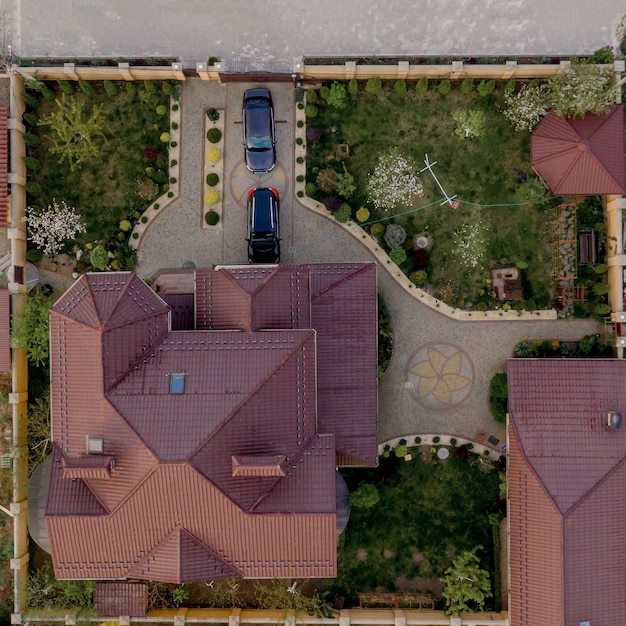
581	156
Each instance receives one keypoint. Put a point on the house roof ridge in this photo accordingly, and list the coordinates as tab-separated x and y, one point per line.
357	269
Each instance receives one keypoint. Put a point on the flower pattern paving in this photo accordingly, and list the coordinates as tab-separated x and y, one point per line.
242	180
439	375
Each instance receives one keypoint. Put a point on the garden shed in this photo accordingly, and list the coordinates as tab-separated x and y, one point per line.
581	156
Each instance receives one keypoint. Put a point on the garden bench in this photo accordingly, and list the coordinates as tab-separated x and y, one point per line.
587	245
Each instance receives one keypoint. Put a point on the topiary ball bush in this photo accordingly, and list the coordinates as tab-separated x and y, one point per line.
363	214
418	278
313	134
310	111
299	123
343	213
34	255
213	155
212	196
161	109
214	135
376	230
331	203
212	179
99	258
212	218
213	115
165	137
310	189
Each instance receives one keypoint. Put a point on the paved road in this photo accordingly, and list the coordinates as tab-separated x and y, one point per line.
439	376
266	36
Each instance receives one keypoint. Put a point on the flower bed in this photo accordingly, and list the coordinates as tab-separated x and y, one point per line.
213	171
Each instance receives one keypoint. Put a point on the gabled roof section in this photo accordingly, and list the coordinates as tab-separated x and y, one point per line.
581	156
181	558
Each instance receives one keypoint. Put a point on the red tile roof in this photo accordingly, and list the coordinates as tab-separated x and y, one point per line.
566	480
581	156
115	599
235	476
4	167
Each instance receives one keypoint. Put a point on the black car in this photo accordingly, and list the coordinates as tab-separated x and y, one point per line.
263	226
258	130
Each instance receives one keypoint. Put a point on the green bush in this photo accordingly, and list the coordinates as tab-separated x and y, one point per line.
32	163
173	144
521	265
30	100
310	189
212	218
213	115
600	309
214	135
125	226
343	213
397	254
353	87
212	179
436	439
419	277
422	85
33	188
374	86
499	397
365	497
324	92
213	60
99	258
401	450
337	95
149	86
311	96
110	87
299	193
600	289
299	123
526	349
377	230
34	255
602	56
299	141
86	87
31	119
467	85
66	87
345	183
161	109
310	111
300	160
482	306
600	268
299	178
486	87
400	86
32	141
131	88
167	88
444	87
509	88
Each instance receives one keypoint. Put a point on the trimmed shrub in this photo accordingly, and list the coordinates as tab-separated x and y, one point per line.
422	85
66	87
365	497
600	268
172	180
161	109
99	258
300	193
174	107
214	135
31	119
213	60
212	196
86	87
526	349
173	144
600	309
32	163
444	87
165	137
377	230
310	111
324	92
125	226
299	178
343	213
173	163
467	85
486	87
363	214
331	203
213	115
299	141
144	219
167	88
313	134
131	89
34	255
345	183
418	277
509	88
337	95
401	450
353	87
211	218
374	86
212	179
149	86
600	289
30	100
213	155
400	86
310	189
499	397
110	88
33	188
436	439
32	141
299	124
397	254
395	235
310	96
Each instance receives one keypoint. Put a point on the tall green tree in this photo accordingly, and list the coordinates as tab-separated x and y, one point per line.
30	328
76	129
467	586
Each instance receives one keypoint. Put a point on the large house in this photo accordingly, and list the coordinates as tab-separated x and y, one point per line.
199	440
567	492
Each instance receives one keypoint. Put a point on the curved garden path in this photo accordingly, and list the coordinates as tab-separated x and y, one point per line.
439	376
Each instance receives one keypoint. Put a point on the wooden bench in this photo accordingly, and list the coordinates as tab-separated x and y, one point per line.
587	245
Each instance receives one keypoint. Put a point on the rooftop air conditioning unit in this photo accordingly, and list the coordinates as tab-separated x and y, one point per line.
613	420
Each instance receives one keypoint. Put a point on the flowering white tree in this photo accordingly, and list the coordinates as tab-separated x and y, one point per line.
526	108
394	181
51	228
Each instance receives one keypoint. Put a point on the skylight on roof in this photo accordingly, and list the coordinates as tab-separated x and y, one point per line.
177	383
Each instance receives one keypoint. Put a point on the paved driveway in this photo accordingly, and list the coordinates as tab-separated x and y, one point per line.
268	35
439	376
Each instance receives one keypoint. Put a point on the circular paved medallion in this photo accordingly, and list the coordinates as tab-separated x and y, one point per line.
439	375
242	180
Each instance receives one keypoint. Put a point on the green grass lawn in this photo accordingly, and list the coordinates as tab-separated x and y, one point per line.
429	511
105	189
480	171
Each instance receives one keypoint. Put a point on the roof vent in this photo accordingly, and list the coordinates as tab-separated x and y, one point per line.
613	421
95	445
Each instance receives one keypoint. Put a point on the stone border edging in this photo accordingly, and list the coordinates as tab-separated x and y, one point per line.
444	440
173	153
383	258
217	168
